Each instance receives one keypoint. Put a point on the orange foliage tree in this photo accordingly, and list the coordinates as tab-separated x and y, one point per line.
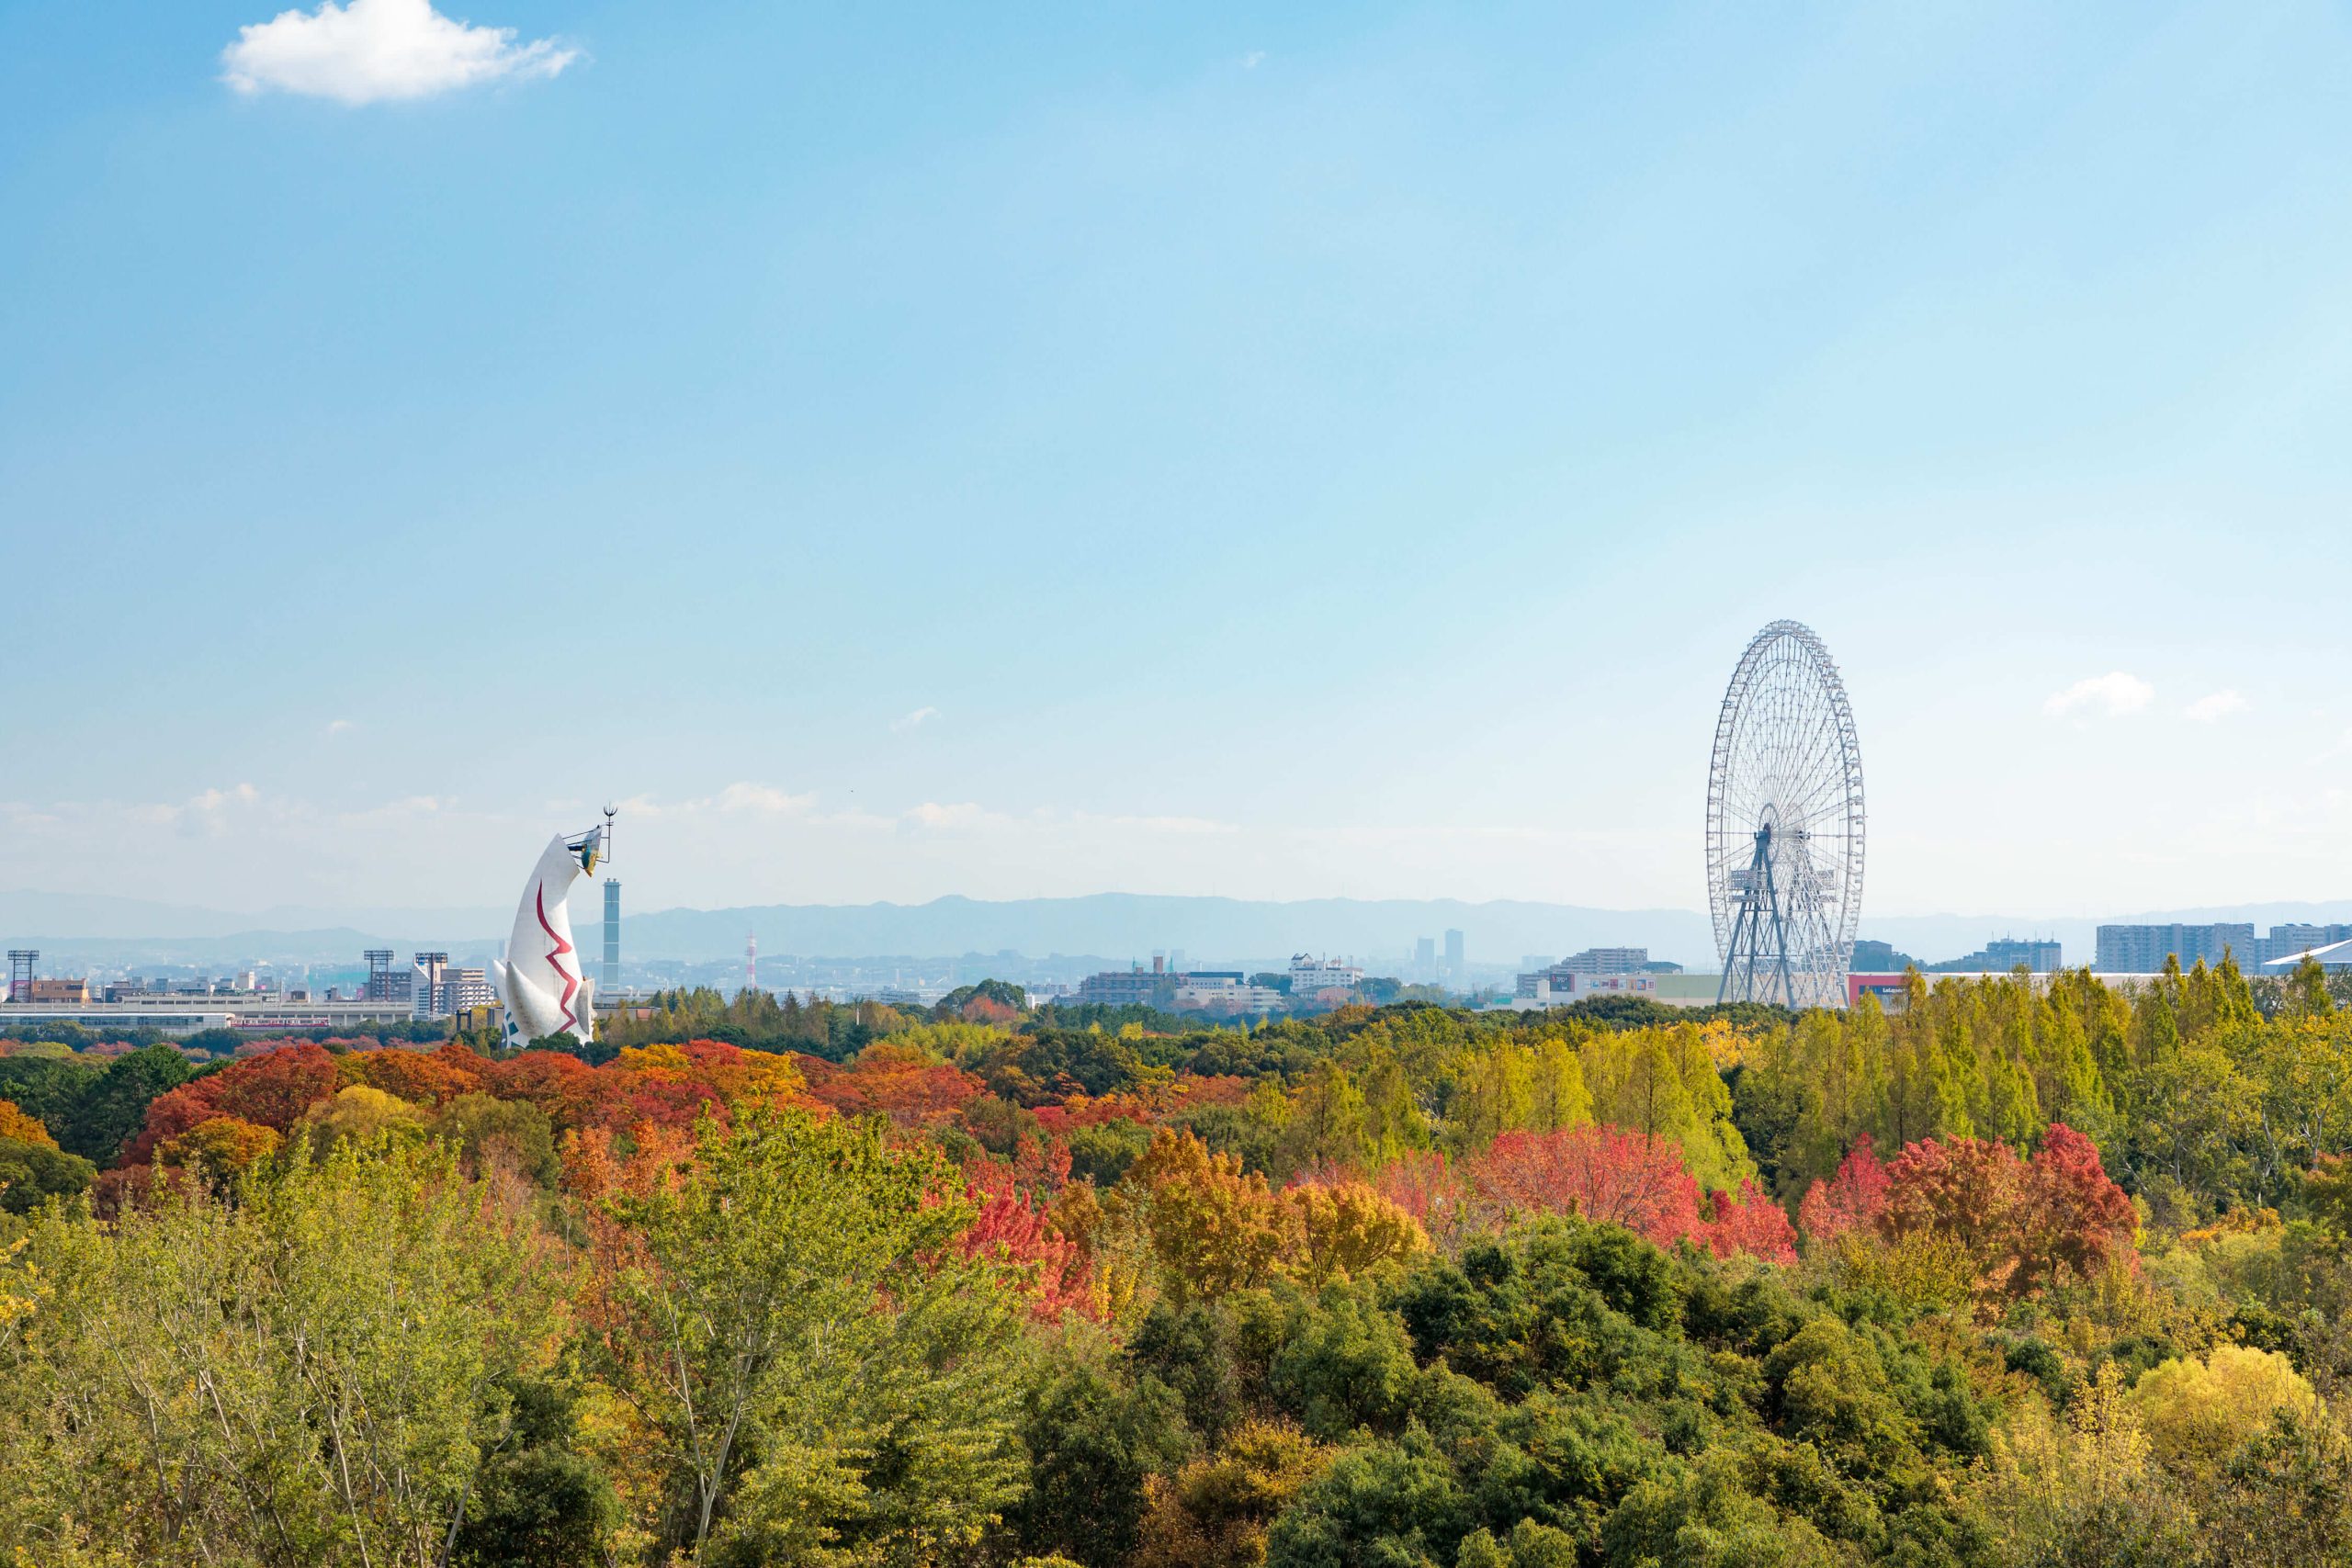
1013	1231
1602	1173
889	1080
1852	1199
15	1124
422	1077
1750	1224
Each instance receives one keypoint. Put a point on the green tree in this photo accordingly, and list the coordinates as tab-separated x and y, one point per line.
2307	990
1706	1517
311	1373
539	1503
32	1173
109	1111
833	1383
1328	1129
1094	1439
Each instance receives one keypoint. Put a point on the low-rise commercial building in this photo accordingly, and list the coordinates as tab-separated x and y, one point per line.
186	1014
1225	991
1559	979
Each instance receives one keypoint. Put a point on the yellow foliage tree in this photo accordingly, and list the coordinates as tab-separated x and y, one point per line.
1344	1229
359	1113
1662	1083
1215	1512
217	1147
2084	1488
2197	1412
1214	1228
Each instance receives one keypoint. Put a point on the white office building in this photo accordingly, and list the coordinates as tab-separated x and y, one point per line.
1310	976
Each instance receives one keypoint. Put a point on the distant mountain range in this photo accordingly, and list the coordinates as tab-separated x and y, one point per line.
84	928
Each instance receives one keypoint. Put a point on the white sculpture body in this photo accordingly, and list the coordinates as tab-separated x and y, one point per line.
541	982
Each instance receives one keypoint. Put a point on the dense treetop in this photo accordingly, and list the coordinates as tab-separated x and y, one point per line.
2018	1274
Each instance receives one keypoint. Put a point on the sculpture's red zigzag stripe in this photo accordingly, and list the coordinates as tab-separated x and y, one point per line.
571	981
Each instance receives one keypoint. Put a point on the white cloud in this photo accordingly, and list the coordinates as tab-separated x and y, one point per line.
2220	706
393	810
2114	694
338	726
960	814
738	796
901	726
761	797
205	814
371	51
1251	61
1181	825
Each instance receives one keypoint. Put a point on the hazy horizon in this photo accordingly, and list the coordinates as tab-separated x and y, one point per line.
1112	928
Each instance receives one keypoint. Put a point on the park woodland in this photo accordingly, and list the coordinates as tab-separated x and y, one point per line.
2011	1272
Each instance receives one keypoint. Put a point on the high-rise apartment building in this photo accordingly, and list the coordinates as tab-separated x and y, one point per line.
438	989
2142	950
2285	941
2038	956
1453	959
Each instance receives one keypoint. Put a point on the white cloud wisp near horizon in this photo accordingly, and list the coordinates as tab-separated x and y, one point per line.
374	50
2113	694
2215	707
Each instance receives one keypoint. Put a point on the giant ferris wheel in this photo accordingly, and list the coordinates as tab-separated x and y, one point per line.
1785	825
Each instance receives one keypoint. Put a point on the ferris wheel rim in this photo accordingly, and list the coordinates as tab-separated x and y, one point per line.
1786	755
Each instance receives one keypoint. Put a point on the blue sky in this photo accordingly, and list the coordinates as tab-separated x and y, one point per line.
1277	452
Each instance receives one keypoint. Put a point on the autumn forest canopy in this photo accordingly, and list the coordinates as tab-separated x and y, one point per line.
2021	1273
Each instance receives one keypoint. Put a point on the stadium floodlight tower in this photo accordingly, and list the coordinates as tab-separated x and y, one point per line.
1785	825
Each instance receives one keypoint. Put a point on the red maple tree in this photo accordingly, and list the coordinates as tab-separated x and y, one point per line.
271	1091
1750	1224
1605	1174
2021	1222
1849	1201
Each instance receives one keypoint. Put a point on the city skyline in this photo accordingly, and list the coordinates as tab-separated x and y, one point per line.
822	399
